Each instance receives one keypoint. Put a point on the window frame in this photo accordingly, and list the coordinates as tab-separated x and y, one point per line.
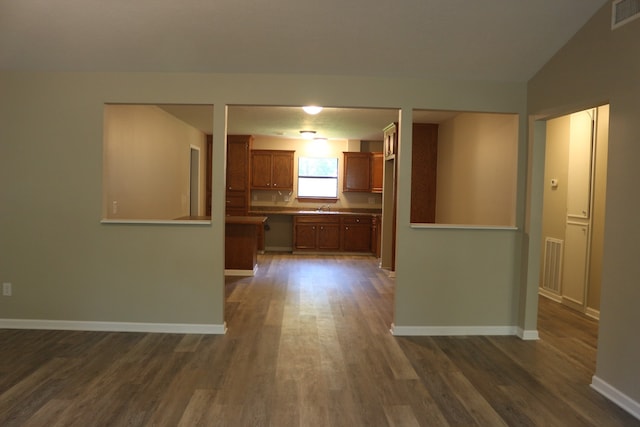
319	198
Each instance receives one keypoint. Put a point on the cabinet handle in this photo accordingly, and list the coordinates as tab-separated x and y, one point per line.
275	185
313	228
357	219
346	228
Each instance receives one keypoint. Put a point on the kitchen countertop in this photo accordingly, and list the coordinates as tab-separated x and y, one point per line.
288	211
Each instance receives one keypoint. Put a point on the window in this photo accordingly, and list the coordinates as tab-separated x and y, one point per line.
318	177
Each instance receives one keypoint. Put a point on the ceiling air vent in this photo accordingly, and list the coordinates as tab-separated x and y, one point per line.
624	11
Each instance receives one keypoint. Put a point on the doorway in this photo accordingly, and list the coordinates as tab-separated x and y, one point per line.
574	209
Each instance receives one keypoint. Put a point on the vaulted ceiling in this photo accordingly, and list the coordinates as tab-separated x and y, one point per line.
500	40
495	40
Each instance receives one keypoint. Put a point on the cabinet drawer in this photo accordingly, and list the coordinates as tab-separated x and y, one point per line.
356	219
317	219
238	200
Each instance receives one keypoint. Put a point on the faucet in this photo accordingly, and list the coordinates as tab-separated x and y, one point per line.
323	208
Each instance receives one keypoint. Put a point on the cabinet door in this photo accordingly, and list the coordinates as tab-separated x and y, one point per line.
329	237
236	203
305	236
356	234
357	171
261	170
282	171
237	163
377	172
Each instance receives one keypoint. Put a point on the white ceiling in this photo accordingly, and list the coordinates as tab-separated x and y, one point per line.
365	124
496	40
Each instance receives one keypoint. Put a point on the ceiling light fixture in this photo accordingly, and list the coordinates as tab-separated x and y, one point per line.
308	133
312	109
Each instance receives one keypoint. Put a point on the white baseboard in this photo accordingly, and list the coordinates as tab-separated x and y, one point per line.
232	272
452	330
528	335
593	313
616	396
71	325
548	294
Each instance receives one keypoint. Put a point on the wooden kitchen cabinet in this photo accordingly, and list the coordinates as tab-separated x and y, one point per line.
357	171
363	172
237	191
334	233
316	232
376	234
272	170
424	158
356	233
377	172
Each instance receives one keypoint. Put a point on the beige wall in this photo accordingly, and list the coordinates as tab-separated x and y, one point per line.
65	265
477	170
147	163
598	66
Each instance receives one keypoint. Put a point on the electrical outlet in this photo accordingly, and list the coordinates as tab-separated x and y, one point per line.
114	207
6	289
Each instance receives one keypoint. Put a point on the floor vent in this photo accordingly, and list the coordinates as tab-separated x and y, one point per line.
624	11
552	265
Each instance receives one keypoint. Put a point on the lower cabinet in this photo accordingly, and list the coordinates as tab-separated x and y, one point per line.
316	232
356	233
333	233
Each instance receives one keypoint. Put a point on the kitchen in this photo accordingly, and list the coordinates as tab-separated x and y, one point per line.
475	186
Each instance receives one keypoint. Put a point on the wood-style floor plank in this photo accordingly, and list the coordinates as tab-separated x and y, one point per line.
308	345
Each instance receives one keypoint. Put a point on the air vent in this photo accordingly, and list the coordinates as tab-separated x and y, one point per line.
624	11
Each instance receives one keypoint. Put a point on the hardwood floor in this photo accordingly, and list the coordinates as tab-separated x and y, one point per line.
308	345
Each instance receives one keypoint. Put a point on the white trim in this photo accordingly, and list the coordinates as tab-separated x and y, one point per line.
157	221
549	295
616	396
528	335
593	313
73	325
233	272
452	330
463	226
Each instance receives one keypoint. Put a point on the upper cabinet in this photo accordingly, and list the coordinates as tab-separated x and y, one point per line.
357	171
272	170
363	172
377	172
